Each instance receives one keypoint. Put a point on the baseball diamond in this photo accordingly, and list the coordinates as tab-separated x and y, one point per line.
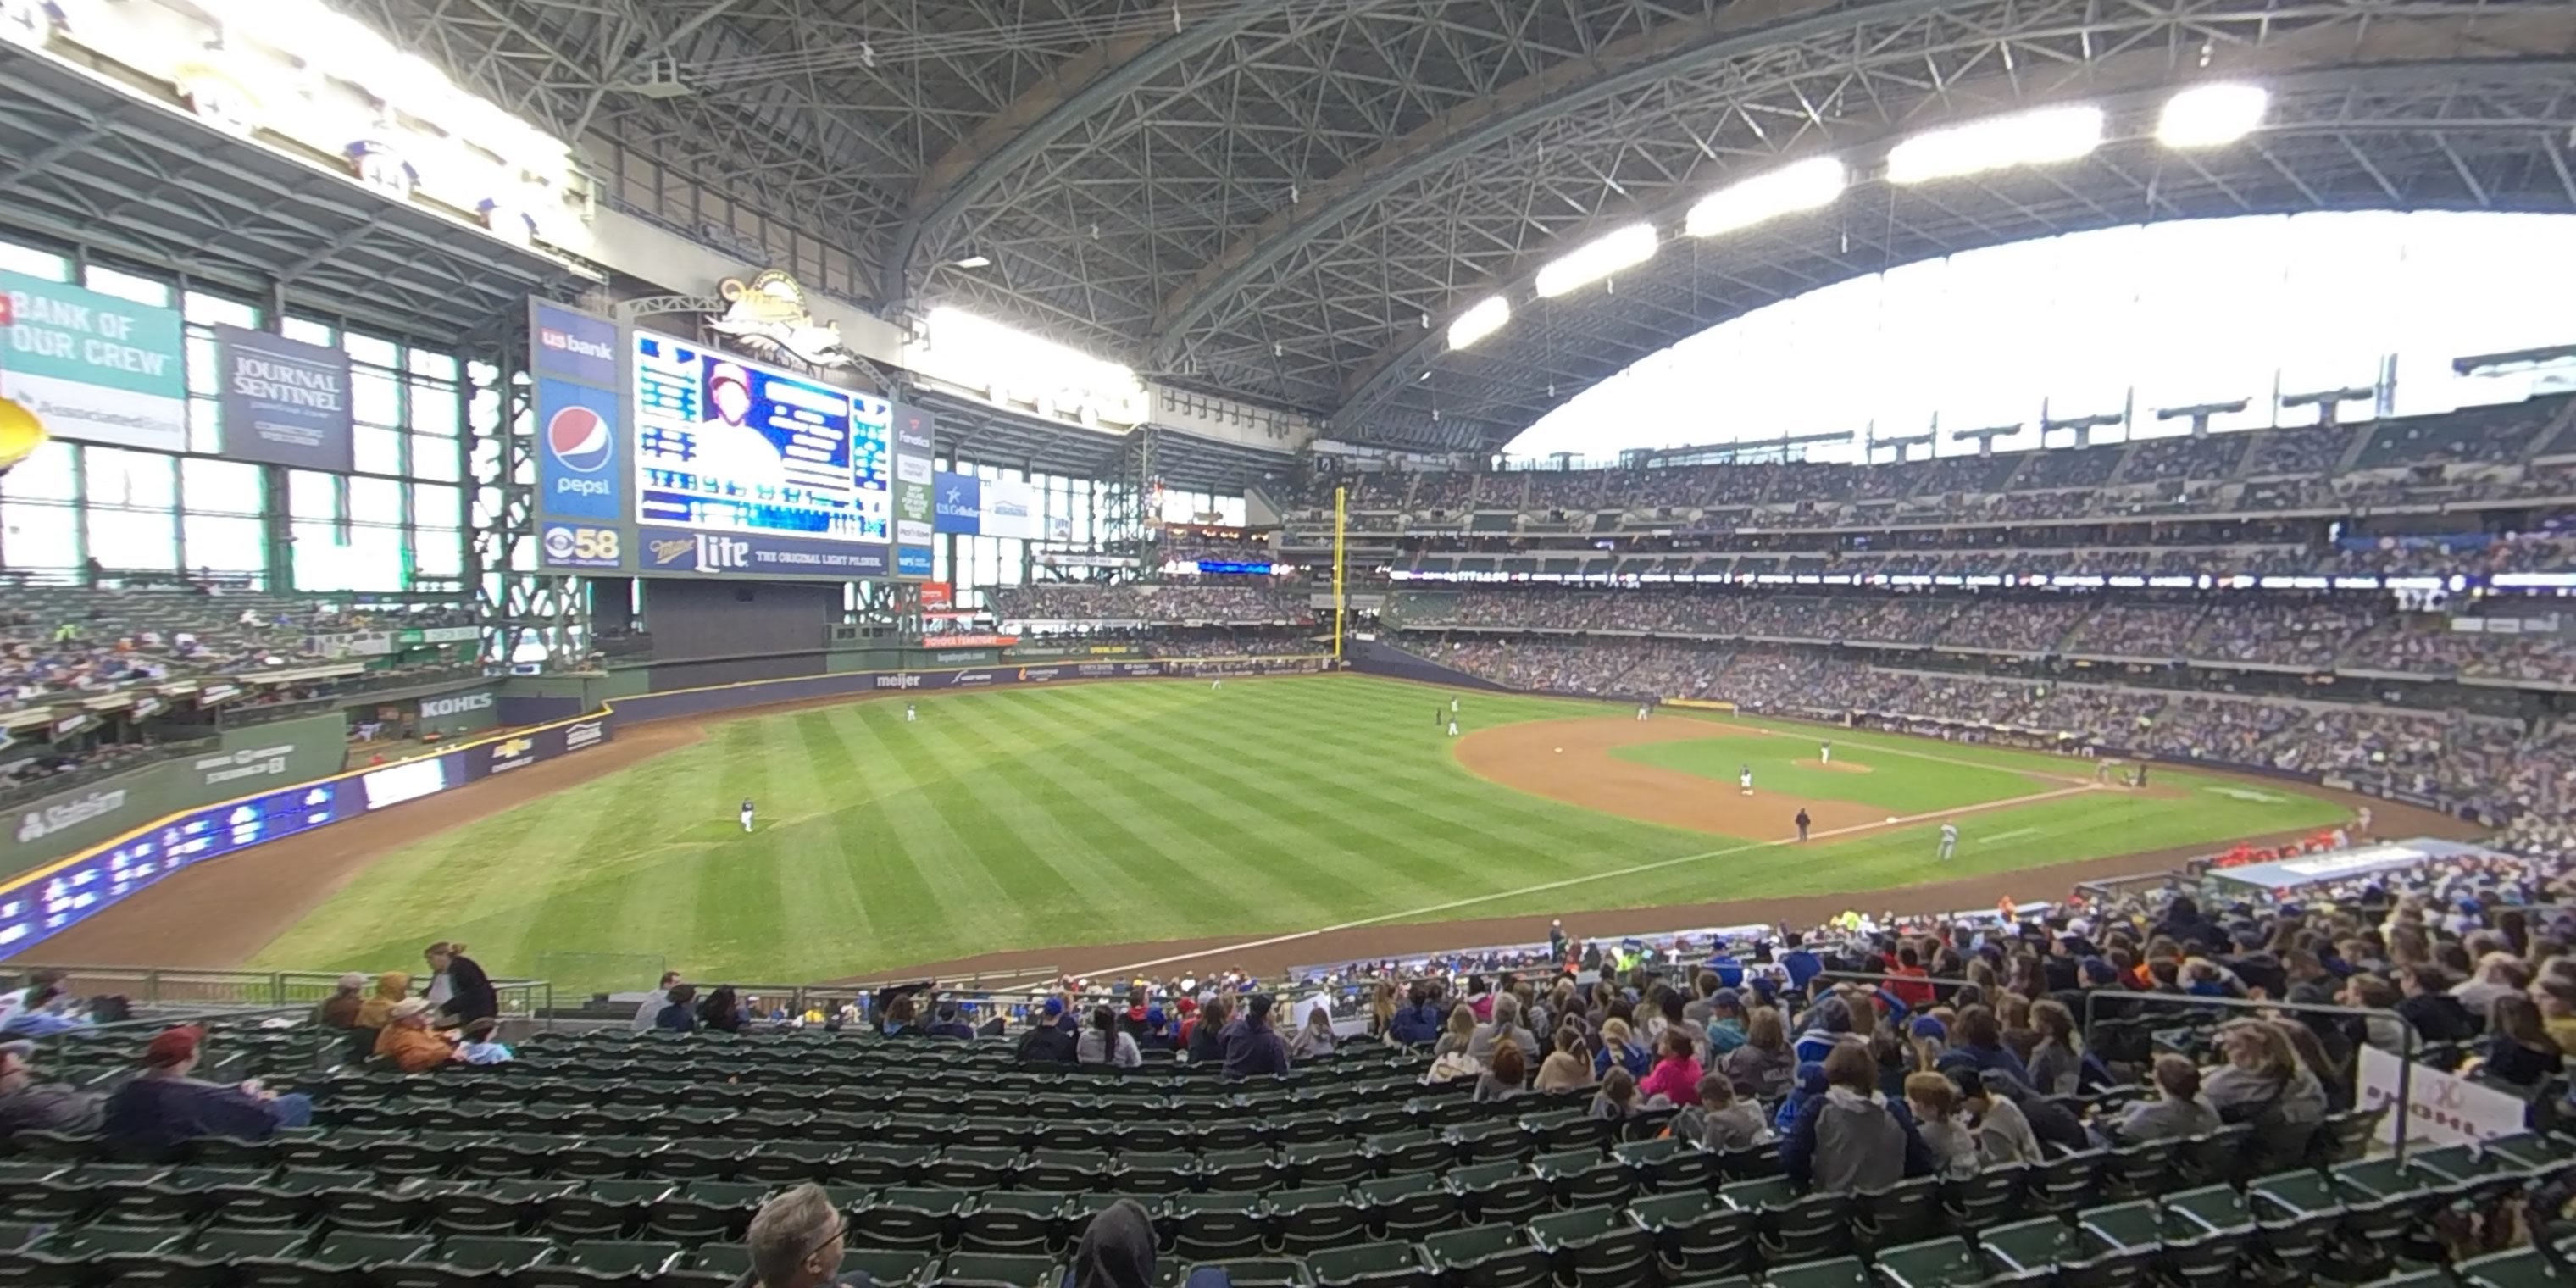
1014	820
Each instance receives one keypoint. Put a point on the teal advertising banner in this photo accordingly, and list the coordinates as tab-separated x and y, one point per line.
93	367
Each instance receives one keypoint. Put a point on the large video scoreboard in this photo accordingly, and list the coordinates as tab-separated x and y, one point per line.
661	456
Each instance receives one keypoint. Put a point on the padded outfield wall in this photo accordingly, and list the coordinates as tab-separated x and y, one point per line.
130	848
245	759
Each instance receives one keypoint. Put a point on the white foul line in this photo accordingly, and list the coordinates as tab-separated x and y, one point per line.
1544	887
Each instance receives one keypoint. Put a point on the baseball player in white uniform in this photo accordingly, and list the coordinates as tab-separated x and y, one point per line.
1744	781
1949	841
1641	711
746	813
1825	753
908	713
2361	821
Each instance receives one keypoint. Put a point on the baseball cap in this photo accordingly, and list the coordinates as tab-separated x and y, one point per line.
173	1046
1930	1026
1154	1017
1054	1007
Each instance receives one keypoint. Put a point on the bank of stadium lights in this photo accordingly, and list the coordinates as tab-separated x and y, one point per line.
1801	185
1475	324
2044	136
2211	116
1596	259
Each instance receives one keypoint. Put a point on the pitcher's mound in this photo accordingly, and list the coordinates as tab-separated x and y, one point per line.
1836	766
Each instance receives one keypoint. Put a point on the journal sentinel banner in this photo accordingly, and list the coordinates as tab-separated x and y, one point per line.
284	402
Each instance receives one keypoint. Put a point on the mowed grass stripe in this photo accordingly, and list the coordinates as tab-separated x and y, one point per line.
1019	845
1252	821
1141	833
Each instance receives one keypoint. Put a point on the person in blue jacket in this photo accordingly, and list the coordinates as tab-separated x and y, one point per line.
1417	1022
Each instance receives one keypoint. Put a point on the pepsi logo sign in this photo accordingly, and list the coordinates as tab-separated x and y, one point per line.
580	440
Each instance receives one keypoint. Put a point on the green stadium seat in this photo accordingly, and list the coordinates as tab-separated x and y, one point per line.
697	1159
1140	1173
2137	1170
1840	1272
908	1218
1790	1227
1370	1265
2294	1213
1305	1221
1213	1227
1667	1163
591	1263
889	1267
2027	1252
1934	1263
997	1270
1410	1150
970	1167
1696	1233
2065	1181
607	1158
1486	1256
1564	1129
704	1210
466	1261
1597	1247
601	1209
1584	1177
1407	1206
1019	1221
1061	1170
1265	1272
1334	1163
1251	1169
1490	1140
1500	1192
1907	1212
2119	1243
488	1207
2204	1233
2518	1268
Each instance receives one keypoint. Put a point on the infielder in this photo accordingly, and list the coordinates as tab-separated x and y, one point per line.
2361	822
1641	711
746	813
1744	781
1453	726
1825	753
1949	841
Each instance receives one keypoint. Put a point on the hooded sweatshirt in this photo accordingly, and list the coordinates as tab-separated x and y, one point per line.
1117	1251
377	1011
1845	1140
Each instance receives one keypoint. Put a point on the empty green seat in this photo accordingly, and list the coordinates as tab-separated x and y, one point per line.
1011	1221
1695	1233
2518	1268
998	1270
1933	1263
1408	1205
1213	1227
908	1218
1599	1247
2027	1251
1583	1177
601	1209
594	1262
1486	1256
1316	1218
1370	1265
1840	1272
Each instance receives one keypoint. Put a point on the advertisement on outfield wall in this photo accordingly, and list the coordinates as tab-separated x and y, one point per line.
46	901
93	368
284	402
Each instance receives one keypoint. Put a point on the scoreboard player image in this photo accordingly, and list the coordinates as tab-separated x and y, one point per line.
729	445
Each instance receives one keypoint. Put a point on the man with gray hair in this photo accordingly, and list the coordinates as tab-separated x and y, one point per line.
796	1242
650	1009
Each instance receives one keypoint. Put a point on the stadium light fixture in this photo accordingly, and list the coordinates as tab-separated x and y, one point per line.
1475	324
1802	185
1597	259
972	262
2041	137
2211	116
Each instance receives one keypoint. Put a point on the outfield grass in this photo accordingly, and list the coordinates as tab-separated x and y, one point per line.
1897	784
1116	813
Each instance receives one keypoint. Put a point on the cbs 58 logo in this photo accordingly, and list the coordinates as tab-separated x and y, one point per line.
573	545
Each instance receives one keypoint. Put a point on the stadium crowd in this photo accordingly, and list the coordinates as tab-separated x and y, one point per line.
1151	602
2317	632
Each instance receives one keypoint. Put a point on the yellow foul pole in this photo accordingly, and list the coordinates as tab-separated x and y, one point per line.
1341	500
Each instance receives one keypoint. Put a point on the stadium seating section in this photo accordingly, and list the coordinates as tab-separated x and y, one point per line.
616	1158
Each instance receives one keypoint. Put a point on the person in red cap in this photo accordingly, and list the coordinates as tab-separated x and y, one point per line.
163	1108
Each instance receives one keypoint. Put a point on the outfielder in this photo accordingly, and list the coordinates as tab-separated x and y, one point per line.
1216	684
1453	726
746	813
1453	706
1744	781
908	714
1949	841
1825	753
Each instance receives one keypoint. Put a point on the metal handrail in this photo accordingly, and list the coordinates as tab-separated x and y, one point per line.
165	985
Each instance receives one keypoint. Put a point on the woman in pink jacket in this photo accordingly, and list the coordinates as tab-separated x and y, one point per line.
1676	1075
